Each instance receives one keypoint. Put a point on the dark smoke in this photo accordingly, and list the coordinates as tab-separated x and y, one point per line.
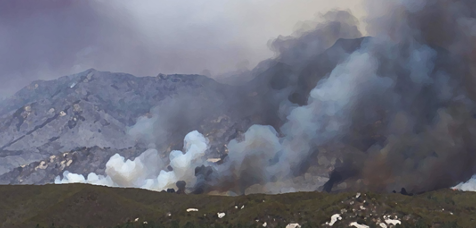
398	106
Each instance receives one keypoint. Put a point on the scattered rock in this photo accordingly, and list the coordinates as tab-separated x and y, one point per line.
334	219
356	225
192	209
390	221
221	214
293	225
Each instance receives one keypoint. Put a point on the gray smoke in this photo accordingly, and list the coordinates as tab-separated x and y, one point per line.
400	103
403	98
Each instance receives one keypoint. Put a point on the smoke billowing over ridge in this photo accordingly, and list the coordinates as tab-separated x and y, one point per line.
399	104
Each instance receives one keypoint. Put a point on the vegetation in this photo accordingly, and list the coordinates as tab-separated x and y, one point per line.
87	206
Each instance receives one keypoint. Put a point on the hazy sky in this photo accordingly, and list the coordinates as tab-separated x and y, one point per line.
45	39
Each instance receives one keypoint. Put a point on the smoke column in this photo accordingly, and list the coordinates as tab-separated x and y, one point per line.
400	102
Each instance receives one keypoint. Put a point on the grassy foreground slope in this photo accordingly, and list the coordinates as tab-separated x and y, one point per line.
80	205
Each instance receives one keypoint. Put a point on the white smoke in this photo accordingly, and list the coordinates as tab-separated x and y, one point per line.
470	185
147	170
328	111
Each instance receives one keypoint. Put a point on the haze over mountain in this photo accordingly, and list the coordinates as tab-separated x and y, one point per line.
48	39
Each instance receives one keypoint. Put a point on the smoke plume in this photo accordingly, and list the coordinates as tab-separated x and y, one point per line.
147	170
399	104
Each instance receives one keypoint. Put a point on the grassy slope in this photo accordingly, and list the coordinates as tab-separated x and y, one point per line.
82	205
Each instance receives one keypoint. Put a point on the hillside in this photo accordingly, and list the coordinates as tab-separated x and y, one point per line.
80	205
93	110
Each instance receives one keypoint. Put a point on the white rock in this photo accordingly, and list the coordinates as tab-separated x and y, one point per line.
192	209
334	219
42	165
383	225
358	195
242	207
236	207
392	222
265	224
293	225
354	224
137	219
362	207
221	215
145	222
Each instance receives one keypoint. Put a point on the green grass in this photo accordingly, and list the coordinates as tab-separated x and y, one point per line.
79	205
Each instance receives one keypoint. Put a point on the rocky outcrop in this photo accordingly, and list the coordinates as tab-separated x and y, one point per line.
93	110
80	160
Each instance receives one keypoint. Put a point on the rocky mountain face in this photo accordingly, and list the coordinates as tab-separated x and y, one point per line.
88	114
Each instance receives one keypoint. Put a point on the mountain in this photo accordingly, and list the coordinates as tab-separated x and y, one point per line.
93	110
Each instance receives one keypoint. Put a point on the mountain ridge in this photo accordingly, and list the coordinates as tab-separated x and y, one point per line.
47	117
